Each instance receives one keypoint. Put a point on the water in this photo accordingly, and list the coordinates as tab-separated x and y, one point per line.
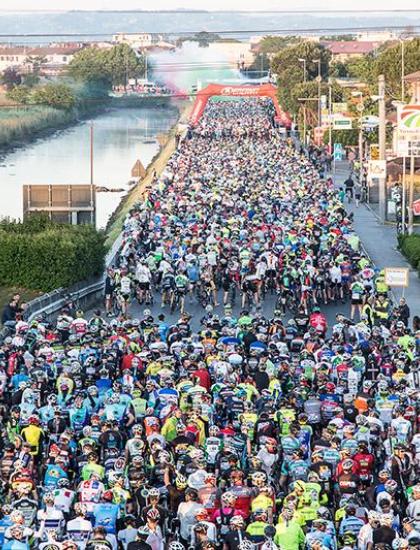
64	158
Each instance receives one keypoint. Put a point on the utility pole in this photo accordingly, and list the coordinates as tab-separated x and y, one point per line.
402	69
319	90
330	118
404	198
411	195
304	106
382	145
92	187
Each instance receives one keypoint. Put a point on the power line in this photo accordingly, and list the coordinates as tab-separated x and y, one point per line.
212	12
271	32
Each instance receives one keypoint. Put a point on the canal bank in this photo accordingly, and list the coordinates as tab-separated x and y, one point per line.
157	166
21	126
121	137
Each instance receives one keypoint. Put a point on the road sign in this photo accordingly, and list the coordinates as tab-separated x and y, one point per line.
338	151
416	207
396	276
370	121
138	170
343	123
339	108
377	169
374	151
408	134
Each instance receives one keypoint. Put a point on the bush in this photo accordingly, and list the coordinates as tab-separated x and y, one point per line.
56	95
42	255
410	247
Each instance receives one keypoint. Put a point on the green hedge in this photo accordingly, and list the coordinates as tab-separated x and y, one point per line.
410	247
42	255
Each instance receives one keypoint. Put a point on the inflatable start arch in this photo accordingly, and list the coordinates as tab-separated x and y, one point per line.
261	90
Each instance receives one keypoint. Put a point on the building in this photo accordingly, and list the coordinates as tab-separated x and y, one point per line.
344	50
376	36
413	81
12	57
137	40
50	59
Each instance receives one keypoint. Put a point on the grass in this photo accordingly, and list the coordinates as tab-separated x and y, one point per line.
20	123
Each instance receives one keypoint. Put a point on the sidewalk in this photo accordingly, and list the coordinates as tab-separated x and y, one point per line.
380	242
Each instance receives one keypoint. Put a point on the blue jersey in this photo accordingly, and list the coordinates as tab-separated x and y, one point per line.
106	515
53	474
5	523
16	545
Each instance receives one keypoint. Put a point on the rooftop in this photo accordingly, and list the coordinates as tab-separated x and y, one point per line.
350	47
412	77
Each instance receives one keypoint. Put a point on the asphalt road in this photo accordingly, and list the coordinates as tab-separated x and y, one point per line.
197	312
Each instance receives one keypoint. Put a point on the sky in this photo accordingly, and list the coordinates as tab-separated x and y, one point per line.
39	5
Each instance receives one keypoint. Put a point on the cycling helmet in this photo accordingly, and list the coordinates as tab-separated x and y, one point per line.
399	544
260	515
237	521
180	481
391	486
201	514
153	514
361	420
80	509
324	513
63	483
137	429
259	478
210	478
245	545
228	499
175	545
154	493
214	431
347	464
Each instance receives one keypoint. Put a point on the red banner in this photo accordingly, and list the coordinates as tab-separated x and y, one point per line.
262	90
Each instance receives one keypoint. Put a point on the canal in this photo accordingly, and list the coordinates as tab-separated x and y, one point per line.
121	136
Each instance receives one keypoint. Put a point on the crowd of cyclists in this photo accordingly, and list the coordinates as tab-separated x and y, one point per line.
236	430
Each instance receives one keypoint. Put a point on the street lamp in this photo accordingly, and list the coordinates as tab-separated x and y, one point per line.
360	108
301	60
319	89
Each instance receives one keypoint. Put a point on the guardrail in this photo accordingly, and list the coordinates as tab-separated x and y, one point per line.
84	293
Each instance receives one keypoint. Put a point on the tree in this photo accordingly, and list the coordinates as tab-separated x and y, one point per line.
338	69
11	78
289	70
90	66
35	62
273	44
122	63
31	80
59	96
19	94
106	67
259	67
361	68
310	90
389	61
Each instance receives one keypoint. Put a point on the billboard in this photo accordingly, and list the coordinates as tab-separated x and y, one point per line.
74	204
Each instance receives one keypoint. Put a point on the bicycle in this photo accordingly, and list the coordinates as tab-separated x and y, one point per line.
178	300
